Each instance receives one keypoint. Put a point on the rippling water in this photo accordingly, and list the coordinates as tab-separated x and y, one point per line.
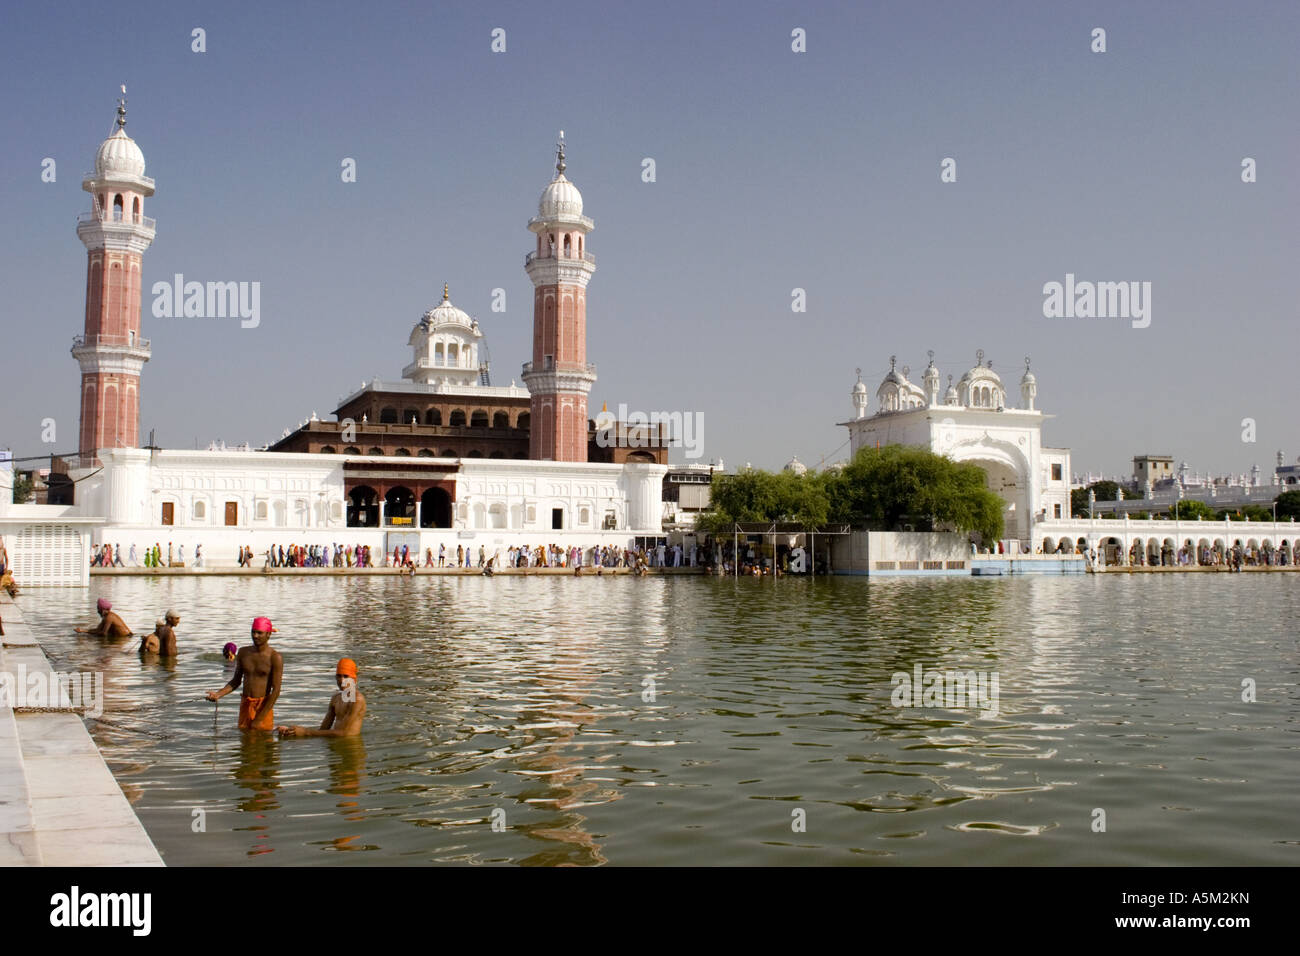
526	695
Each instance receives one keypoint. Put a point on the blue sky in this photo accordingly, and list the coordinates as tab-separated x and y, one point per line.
775	170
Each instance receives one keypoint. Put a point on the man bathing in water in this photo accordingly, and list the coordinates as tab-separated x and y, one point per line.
263	667
163	639
347	707
110	625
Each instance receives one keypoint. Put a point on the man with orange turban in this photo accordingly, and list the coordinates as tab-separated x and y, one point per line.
347	707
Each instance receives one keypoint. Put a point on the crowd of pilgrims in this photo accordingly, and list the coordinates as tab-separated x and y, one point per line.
659	555
110	556
1234	558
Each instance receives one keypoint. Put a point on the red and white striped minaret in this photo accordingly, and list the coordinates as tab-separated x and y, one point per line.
111	352
559	377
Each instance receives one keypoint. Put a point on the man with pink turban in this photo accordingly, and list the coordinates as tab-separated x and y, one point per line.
110	625
264	668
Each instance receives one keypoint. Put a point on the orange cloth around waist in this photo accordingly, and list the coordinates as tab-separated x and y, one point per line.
248	709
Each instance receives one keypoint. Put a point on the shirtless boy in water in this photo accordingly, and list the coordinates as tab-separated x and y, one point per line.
263	668
347	708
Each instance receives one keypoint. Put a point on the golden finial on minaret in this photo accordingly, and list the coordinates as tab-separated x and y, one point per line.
445	292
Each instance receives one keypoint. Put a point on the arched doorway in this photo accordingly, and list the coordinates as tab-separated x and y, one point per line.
435	509
399	506
1004	466
363	507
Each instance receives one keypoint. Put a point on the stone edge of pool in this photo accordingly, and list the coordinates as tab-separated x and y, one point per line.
59	803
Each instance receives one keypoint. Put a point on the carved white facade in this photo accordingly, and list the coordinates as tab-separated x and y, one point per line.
228	499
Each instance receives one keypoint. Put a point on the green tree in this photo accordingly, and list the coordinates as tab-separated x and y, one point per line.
897	485
22	488
1288	505
1192	510
1102	490
755	495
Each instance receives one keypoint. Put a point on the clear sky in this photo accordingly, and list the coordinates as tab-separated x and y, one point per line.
775	170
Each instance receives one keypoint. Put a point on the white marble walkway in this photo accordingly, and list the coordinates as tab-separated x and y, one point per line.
59	803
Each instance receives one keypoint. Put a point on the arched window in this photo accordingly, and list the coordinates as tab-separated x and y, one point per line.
439	356
375	451
327	449
458	418
524	420
200	510
117	206
453	355
568	247
501	420
433	417
352	450
403	453
475	453
259	511
388	416
497	454
135	208
479	419
410	416
424	453
580	247
448	453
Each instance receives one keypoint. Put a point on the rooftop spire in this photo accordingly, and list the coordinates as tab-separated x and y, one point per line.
559	154
445	292
121	109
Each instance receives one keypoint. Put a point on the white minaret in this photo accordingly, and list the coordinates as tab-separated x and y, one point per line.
860	397
1028	386
931	381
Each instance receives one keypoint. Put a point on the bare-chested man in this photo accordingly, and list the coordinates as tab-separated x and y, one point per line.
168	634
347	708
263	667
110	625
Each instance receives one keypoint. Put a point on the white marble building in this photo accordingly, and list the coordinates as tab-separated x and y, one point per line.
972	421
227	499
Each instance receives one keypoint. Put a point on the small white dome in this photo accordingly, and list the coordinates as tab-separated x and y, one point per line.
119	157
445	314
560	198
796	466
859	388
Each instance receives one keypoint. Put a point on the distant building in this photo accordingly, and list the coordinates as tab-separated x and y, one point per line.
1152	468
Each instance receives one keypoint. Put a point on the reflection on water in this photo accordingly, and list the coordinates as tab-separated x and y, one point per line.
509	720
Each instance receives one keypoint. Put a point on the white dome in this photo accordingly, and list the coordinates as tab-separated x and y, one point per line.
445	314
796	466
560	198
119	157
859	388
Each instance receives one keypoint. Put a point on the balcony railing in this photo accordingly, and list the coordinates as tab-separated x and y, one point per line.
80	341
563	367
585	257
143	180
117	217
